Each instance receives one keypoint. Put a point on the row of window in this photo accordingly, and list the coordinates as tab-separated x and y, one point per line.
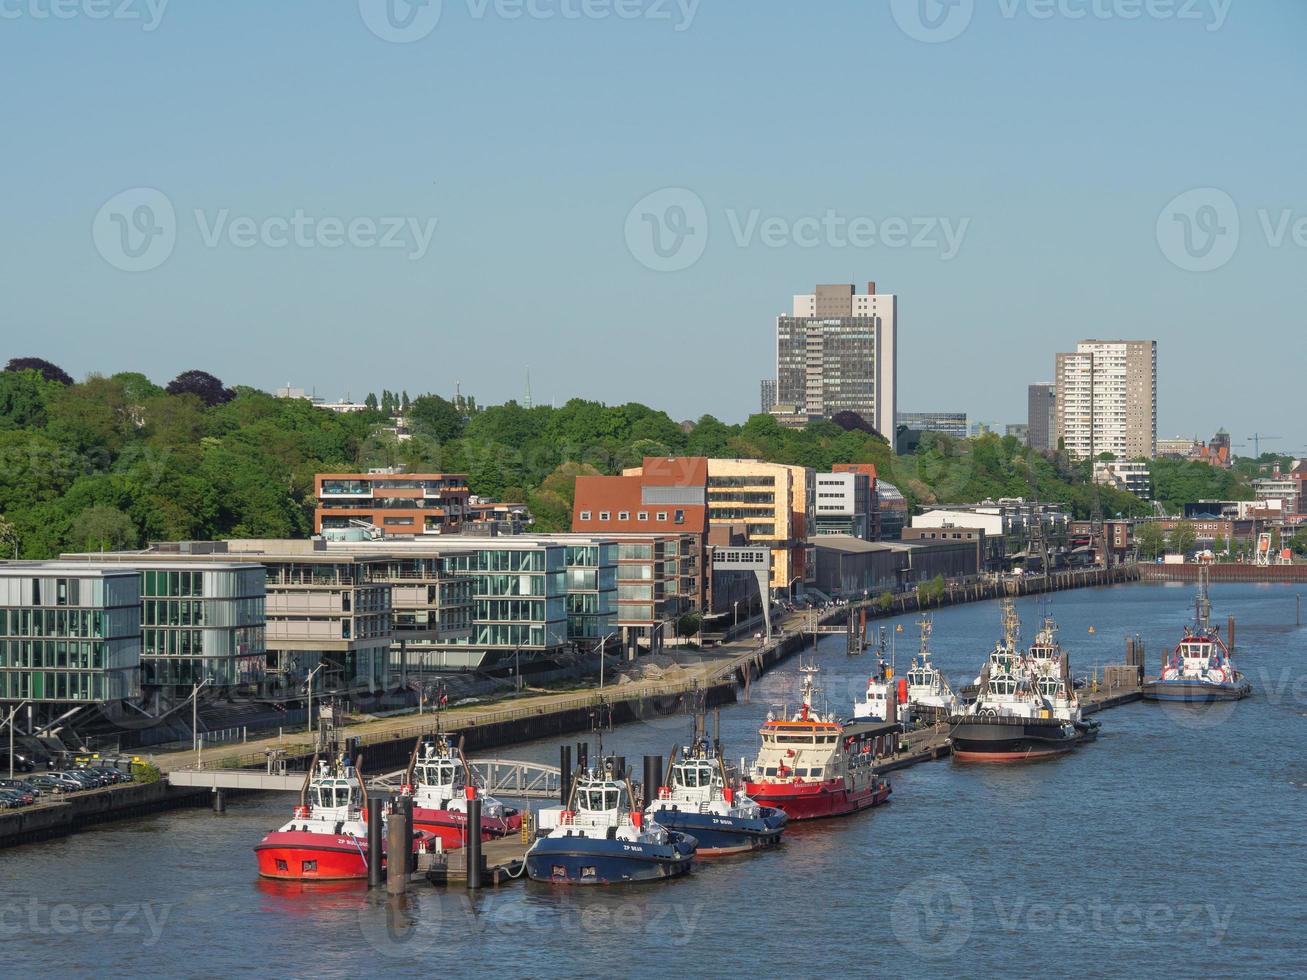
67	654
19	685
660	516
89	623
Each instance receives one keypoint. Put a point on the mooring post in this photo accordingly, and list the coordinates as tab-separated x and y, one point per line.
1231	633
219	804
473	839
374	841
406	819
564	772
650	779
396	863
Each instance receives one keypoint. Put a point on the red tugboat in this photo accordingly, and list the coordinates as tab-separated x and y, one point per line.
438	780
327	839
811	766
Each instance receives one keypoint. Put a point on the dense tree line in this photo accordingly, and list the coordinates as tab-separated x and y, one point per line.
117	461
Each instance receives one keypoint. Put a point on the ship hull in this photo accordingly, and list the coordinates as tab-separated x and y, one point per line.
1009	740
598	861
305	856
1195	692
719	835
816	801
451	826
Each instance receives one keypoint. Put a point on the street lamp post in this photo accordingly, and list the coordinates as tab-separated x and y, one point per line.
735	620
603	645
12	716
310	684
517	669
195	719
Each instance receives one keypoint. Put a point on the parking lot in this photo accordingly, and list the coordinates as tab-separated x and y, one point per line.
41	787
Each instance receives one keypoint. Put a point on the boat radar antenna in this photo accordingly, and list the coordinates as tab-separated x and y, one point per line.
925	625
809	671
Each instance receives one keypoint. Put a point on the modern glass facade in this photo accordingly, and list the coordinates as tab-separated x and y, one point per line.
202	624
519	595
591	590
69	635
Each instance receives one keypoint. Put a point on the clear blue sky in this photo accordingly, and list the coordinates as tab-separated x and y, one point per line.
1059	139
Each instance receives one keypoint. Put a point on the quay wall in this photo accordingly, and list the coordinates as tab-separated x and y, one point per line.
1230	572
69	814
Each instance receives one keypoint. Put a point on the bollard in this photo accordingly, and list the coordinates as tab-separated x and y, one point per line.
1231	633
406	821
219	804
473	839
619	767
374	841
564	773
396	865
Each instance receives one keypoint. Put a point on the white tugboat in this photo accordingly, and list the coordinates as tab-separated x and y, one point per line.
1010	720
600	838
705	800
1052	672
437	780
930	697
1200	669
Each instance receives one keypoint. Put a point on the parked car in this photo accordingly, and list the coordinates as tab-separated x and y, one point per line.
20	784
84	779
58	783
18	797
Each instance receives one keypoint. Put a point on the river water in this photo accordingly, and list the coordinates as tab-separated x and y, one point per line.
1173	846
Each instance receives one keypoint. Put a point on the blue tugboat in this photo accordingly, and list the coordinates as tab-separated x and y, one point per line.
600	838
704	800
1200	670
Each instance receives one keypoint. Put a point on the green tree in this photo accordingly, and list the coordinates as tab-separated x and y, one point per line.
101	528
1298	543
436	417
1183	537
371	402
885	601
1150	539
22	399
689	624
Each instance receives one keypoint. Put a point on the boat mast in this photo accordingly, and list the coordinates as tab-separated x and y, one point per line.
1203	604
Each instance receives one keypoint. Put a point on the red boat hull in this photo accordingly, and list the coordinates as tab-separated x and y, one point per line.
451	826
815	801
294	855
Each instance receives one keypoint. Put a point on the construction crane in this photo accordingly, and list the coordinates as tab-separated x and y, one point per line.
1258	439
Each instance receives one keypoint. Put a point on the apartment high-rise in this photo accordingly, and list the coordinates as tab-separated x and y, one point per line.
1041	411
837	352
1106	399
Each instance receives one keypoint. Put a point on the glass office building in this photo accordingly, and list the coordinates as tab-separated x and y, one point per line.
68	635
203	623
